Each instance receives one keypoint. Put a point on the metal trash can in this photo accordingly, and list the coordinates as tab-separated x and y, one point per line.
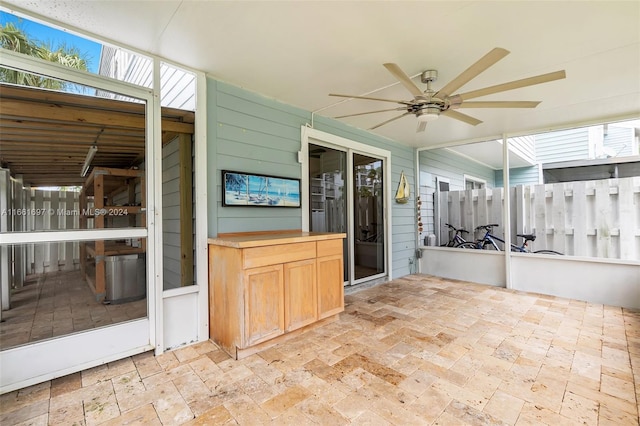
125	278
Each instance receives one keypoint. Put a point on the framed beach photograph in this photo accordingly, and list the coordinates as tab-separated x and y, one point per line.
254	190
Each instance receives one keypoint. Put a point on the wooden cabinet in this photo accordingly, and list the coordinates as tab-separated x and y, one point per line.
301	294
263	304
263	287
329	265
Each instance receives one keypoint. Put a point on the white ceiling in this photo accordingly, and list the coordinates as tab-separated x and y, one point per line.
299	52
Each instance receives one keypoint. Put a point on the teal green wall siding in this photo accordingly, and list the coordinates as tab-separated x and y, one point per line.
445	164
249	132
519	176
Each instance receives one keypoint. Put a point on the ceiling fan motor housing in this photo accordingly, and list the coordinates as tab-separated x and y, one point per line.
429	76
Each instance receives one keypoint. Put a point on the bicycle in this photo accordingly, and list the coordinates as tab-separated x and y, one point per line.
490	241
457	239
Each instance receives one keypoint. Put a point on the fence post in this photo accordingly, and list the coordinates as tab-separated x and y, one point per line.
628	218
558	212
517	211
495	214
603	219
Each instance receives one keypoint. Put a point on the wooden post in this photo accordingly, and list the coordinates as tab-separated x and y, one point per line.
71	211
83	224
52	217
40	248
98	203
19	225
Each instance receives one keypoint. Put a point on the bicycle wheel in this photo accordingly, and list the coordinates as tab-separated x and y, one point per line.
548	252
468	245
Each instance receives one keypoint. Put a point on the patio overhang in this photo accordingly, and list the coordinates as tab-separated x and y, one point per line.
489	154
46	135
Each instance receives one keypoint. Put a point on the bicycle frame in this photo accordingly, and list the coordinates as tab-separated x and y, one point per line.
489	238
457	236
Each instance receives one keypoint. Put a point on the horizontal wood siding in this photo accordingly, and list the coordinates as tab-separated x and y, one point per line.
251	133
619	140
519	176
564	145
443	163
171	216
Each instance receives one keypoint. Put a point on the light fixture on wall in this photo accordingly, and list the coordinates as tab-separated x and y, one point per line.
93	150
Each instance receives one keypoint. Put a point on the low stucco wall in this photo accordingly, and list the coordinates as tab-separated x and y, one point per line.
607	281
478	266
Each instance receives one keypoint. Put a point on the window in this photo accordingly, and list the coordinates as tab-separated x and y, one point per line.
471	182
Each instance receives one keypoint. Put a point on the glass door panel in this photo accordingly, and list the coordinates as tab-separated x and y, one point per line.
368	216
327	175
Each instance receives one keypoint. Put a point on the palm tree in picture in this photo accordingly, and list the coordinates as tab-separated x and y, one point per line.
15	39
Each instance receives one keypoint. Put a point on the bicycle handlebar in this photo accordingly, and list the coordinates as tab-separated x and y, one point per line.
457	229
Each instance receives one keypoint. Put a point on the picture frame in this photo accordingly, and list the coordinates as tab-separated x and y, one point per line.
241	189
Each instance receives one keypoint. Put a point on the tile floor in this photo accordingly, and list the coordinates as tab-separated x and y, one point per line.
417	350
59	303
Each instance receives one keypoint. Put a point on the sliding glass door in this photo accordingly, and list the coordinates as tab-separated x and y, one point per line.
346	194
368	216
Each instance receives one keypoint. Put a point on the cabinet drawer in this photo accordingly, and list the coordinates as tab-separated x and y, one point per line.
329	247
281	253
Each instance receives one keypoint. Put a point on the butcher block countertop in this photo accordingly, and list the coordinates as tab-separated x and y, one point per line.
261	239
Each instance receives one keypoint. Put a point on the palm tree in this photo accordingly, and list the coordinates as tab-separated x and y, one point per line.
15	39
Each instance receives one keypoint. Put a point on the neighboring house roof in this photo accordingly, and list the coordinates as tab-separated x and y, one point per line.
604	168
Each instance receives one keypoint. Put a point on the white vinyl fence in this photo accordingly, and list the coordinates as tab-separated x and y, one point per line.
599	218
37	210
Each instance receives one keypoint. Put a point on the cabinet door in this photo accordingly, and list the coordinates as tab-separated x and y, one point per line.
263	304
330	285
300	294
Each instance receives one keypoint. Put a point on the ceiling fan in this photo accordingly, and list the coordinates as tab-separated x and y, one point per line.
429	104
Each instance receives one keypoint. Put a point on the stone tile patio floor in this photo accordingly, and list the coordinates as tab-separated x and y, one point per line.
417	350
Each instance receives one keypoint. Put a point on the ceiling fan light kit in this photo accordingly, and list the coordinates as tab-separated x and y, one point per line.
429	104
428	113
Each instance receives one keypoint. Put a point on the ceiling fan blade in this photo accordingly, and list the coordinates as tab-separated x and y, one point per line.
389	121
369	112
370	98
500	104
473	71
421	126
516	84
404	79
462	117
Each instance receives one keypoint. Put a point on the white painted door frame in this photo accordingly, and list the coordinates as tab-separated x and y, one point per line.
310	135
33	363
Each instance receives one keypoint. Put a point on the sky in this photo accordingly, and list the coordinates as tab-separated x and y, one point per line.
40	32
